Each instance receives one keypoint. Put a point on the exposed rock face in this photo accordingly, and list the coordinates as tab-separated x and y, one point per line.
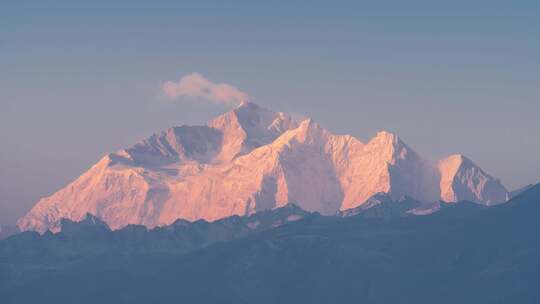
252	159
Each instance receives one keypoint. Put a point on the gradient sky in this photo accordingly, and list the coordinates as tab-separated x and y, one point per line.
77	82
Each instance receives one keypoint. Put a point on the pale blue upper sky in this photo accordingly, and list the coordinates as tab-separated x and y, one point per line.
78	81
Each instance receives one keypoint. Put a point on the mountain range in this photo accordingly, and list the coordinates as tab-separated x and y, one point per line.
252	159
379	252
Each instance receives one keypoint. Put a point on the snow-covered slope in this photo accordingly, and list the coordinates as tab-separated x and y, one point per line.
252	159
462	180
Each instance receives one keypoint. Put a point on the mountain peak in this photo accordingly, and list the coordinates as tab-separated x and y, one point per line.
309	123
247	127
385	134
455	162
251	159
387	138
459	158
309	130
248	109
390	148
257	119
461	179
248	104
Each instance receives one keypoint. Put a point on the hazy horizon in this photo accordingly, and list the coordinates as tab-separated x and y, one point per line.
79	82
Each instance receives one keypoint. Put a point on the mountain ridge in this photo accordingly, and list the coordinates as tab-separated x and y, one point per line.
466	253
252	159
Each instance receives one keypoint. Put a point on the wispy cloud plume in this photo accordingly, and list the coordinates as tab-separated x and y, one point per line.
196	85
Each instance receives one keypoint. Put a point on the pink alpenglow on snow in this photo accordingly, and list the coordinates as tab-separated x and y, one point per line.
251	159
461	180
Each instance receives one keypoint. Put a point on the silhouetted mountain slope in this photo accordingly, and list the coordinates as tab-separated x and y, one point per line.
381	205
7	231
517	192
92	237
465	253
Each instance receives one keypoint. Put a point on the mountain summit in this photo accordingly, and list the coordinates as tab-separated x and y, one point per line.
252	159
461	180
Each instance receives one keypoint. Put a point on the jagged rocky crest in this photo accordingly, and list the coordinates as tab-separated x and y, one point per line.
252	159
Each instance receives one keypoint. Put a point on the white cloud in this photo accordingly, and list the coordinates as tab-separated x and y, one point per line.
197	86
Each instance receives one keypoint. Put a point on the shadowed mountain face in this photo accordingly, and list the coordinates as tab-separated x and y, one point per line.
464	253
381	205
92	237
252	159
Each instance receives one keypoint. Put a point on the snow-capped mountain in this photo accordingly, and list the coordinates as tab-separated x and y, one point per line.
252	159
462	180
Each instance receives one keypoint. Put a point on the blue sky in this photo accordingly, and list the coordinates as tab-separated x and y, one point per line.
78	81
